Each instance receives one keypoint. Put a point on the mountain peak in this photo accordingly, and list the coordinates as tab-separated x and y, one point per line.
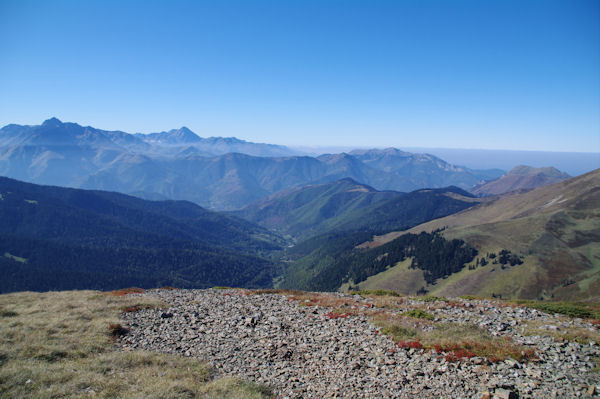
353	185
186	130
52	122
524	170
183	135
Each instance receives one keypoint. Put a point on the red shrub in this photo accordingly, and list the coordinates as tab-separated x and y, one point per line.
410	344
464	354
451	357
333	315
125	291
117	330
132	309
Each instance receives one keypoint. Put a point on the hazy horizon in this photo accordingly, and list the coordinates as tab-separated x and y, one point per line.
574	163
469	74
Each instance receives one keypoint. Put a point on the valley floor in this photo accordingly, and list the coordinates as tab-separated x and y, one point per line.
317	345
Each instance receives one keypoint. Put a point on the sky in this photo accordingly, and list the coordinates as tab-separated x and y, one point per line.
518	75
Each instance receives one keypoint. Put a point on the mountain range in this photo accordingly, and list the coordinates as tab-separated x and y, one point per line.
223	211
218	173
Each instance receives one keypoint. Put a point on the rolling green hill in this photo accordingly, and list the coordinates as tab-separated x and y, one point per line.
58	238
346	205
554	230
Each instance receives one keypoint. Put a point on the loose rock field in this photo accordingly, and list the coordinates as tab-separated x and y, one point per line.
309	352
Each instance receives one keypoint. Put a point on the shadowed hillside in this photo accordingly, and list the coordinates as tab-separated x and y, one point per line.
57	238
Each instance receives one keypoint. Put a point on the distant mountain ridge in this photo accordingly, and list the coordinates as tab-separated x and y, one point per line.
213	146
182	135
219	173
520	178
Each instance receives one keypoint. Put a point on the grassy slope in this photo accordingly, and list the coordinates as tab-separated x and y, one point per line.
556	229
397	278
58	344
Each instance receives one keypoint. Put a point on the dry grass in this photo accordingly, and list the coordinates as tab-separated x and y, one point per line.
456	341
411	326
415	328
322	300
372	293
267	291
571	309
126	291
60	345
583	335
138	306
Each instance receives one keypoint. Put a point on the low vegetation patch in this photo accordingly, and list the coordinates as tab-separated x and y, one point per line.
126	291
365	293
267	291
320	299
582	335
60	345
137	307
418	314
117	330
7	313
399	332
337	315
431	298
455	341
410	344
572	309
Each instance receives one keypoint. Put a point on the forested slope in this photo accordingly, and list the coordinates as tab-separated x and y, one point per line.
58	238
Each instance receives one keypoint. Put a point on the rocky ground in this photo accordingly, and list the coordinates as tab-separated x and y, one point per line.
307	352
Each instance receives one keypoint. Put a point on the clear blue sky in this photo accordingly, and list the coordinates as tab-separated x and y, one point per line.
464	74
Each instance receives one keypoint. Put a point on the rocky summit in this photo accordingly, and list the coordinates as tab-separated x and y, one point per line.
301	345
